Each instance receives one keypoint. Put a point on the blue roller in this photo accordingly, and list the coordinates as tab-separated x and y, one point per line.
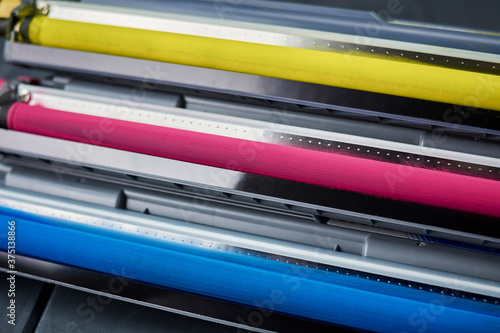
267	285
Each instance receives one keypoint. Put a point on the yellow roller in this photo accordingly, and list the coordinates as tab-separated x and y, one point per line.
385	76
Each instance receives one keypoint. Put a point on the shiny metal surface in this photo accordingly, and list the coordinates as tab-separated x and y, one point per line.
105	158
150	74
283	194
255	33
251	218
77	215
259	131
